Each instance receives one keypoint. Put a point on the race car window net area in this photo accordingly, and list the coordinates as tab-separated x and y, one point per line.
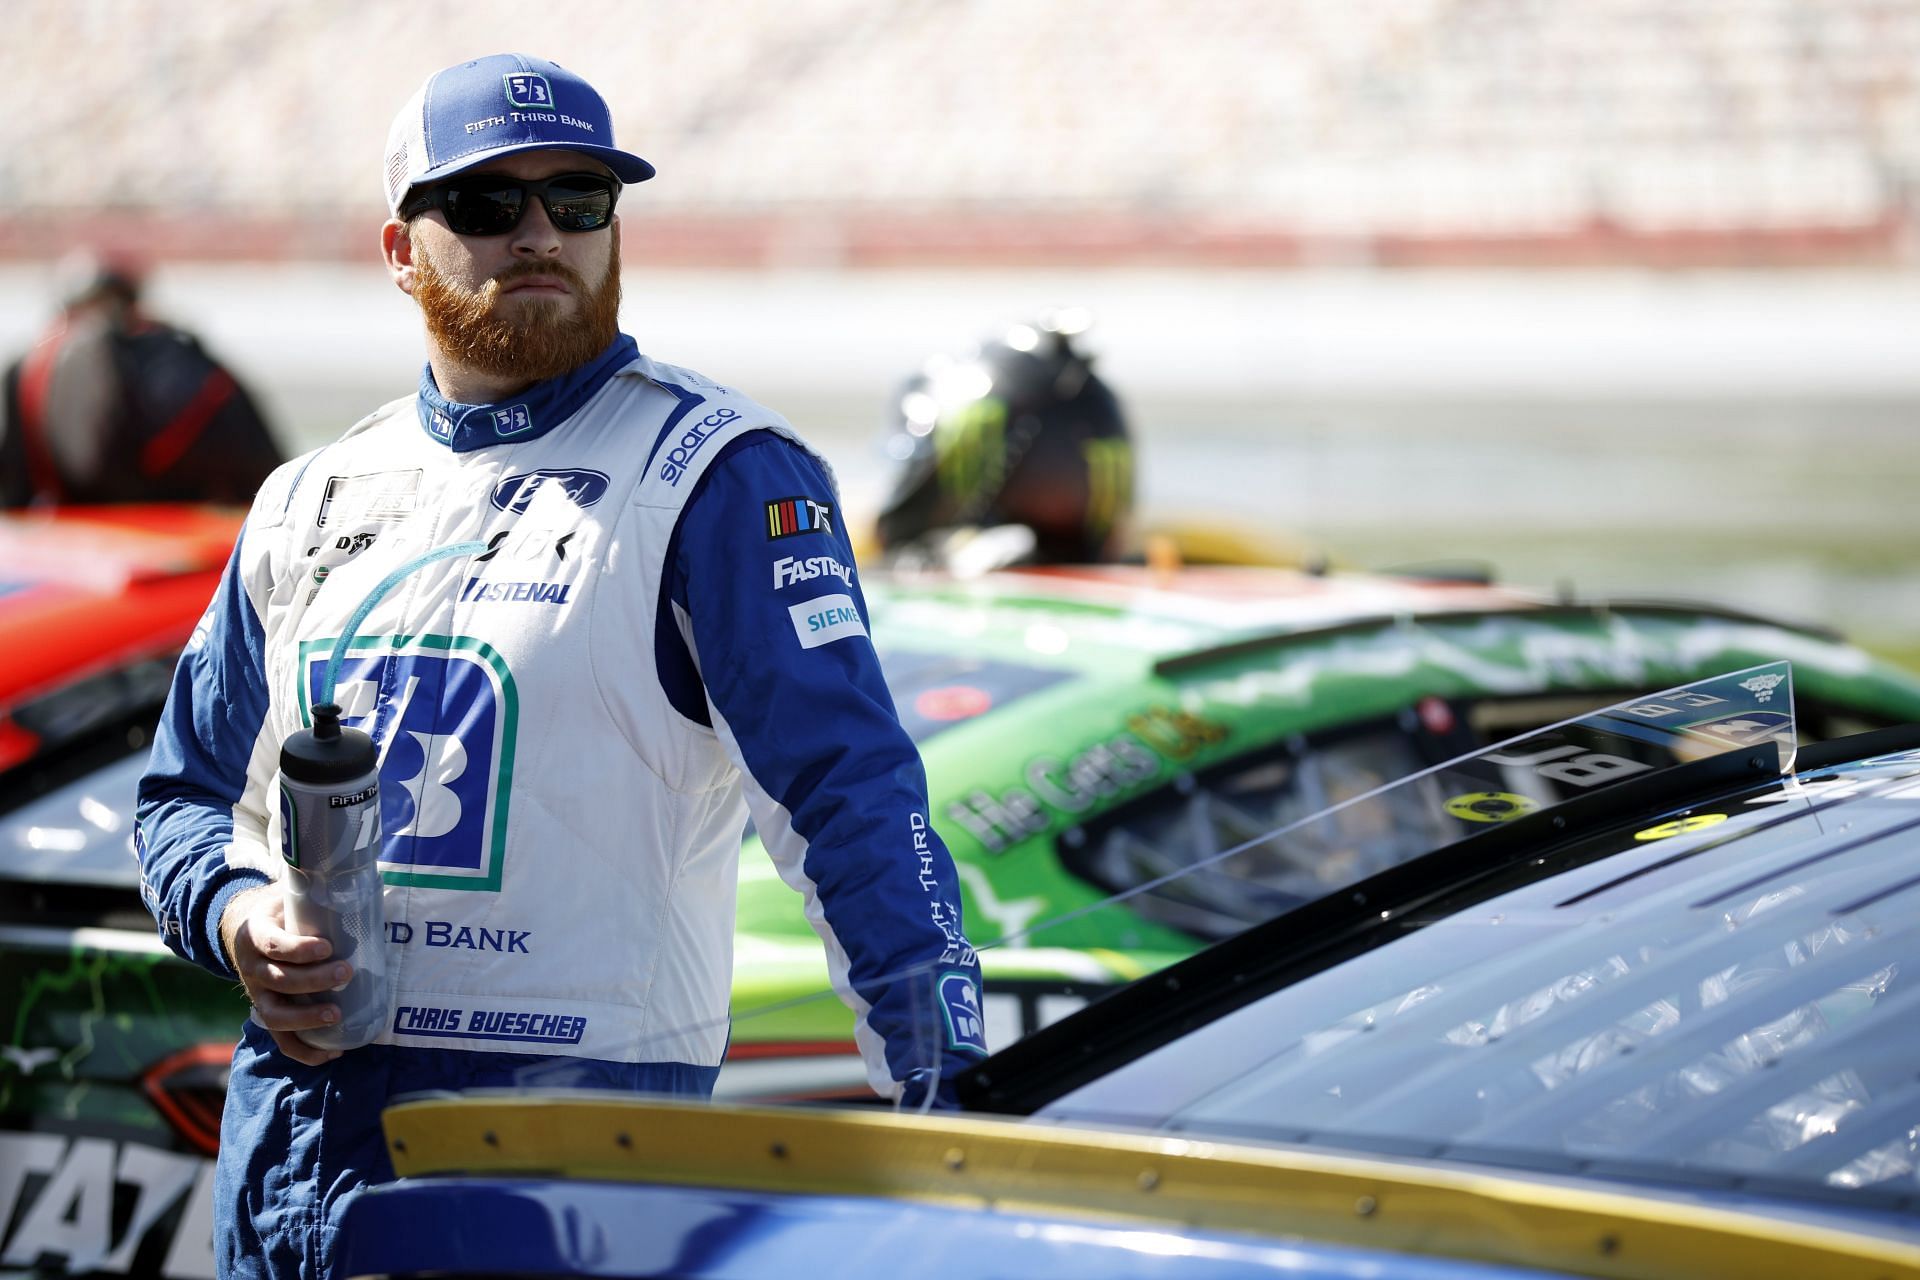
1240	844
1220	825
1723	999
1368	825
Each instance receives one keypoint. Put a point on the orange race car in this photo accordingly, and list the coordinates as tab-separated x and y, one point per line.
95	605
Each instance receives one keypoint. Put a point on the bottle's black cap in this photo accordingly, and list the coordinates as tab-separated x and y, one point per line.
328	752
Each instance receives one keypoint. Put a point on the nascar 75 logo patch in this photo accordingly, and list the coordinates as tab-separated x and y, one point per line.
790	516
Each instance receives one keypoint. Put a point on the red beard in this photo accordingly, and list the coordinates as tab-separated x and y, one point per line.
542	338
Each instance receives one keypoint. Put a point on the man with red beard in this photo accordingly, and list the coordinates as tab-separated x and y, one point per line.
594	610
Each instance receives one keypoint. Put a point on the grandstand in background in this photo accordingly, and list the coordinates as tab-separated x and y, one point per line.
1073	132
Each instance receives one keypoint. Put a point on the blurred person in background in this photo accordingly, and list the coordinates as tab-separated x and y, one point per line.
627	614
1015	454
112	405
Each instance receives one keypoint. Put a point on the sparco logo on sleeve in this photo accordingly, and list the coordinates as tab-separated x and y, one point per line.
826	619
674	465
580	487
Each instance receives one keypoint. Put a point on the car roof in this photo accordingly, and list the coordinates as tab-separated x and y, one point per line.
1776	912
1155	613
1135	619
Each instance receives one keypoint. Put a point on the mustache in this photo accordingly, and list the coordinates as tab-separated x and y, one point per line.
521	270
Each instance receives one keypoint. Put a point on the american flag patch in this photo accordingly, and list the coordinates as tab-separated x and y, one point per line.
798	515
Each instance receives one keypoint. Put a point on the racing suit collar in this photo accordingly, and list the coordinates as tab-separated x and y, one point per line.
534	412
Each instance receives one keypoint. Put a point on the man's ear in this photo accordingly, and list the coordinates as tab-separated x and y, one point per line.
396	246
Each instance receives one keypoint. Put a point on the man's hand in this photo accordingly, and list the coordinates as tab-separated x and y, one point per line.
274	964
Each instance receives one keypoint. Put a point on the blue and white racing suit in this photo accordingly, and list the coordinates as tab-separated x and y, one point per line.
664	632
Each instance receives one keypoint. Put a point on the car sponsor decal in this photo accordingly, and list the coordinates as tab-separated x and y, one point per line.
27	1061
1175	733
1491	806
788	570
1681	826
577	485
1074	785
1750	729
1570	764
95	1205
379	497
791	516
825	619
443	712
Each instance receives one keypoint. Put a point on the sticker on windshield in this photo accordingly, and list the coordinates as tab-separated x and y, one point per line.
1491	806
1681	826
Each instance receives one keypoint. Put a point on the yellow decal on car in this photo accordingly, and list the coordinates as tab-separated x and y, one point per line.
1491	806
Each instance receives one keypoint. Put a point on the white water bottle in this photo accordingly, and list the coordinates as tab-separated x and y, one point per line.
330	839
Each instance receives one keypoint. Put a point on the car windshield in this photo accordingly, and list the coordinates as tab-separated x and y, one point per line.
1725	997
1261	836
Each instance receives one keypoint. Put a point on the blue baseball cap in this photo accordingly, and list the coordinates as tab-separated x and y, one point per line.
478	111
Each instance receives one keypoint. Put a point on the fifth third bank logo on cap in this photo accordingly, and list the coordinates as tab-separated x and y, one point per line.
525	89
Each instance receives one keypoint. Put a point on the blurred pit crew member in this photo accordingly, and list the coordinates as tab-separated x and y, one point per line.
1017	453
664	632
112	405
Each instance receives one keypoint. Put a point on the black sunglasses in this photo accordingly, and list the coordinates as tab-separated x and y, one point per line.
492	204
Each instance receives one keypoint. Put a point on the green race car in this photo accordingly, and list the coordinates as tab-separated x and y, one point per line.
1091	732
